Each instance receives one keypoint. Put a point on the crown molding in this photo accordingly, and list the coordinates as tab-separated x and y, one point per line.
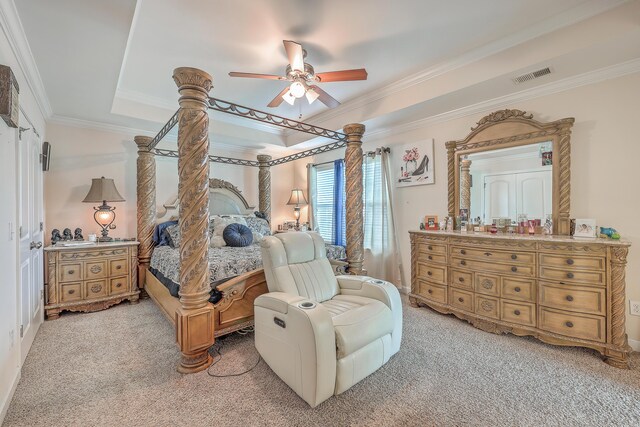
569	17
591	77
14	31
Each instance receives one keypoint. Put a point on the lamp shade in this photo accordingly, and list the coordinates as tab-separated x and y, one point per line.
297	198
103	189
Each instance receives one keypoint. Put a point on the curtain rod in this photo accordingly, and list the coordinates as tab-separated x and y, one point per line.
368	153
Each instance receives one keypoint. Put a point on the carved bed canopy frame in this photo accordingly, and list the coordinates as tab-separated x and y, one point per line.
194	317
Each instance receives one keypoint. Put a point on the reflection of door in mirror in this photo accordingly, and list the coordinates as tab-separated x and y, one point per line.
511	182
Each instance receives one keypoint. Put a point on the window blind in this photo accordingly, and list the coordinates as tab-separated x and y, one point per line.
324	201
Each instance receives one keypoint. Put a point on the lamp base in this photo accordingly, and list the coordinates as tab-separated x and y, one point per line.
105	239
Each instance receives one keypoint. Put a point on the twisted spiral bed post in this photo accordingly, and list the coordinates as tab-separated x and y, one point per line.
264	185
146	204
354	190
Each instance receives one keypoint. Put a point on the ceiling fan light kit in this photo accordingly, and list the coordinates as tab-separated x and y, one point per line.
302	76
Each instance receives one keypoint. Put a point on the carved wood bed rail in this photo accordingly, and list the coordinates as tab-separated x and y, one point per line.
197	321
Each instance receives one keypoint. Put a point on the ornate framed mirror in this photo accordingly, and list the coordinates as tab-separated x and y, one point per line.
511	166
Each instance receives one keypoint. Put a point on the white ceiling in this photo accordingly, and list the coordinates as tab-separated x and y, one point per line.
110	62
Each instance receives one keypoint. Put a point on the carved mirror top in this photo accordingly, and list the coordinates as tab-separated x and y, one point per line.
512	128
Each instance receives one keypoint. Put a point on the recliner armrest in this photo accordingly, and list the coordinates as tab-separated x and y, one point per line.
277	301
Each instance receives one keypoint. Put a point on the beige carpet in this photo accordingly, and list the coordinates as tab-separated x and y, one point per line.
117	368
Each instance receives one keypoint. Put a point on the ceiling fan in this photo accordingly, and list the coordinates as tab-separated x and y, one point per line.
303	78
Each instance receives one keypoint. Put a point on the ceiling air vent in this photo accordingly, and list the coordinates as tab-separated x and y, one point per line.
532	75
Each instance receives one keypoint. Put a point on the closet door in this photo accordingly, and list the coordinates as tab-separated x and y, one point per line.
499	197
30	236
534	194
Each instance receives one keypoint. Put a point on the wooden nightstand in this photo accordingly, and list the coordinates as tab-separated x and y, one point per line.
90	278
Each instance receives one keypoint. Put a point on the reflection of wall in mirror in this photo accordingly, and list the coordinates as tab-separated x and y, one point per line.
510	182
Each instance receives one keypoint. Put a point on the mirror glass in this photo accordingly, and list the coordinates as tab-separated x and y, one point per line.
509	185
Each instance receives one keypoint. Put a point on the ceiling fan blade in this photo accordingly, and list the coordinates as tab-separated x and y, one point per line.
341	76
256	76
325	98
278	99
295	55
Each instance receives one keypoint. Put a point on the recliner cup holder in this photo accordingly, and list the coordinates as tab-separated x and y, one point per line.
307	305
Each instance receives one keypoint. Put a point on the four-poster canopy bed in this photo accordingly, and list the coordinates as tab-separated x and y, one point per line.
197	320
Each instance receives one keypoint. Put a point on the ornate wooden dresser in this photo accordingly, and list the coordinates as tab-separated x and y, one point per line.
560	289
90	278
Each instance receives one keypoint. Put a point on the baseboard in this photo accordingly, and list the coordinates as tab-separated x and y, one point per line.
5	405
635	344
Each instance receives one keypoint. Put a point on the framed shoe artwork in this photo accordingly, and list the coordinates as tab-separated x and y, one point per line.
413	163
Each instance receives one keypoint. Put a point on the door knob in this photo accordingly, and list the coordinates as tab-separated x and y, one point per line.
34	245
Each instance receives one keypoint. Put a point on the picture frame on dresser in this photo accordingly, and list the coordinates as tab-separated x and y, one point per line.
560	289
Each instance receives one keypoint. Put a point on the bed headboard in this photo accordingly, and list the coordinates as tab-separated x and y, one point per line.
224	199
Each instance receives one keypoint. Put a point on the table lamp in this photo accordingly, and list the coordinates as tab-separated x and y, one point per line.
297	199
104	190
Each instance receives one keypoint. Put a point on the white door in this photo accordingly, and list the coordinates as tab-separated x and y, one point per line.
499	197
30	274
534	194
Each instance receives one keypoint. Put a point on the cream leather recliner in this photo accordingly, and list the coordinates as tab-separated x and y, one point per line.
318	332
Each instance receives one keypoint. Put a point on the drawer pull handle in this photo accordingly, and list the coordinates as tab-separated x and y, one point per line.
460	279
461	299
463	262
118	285
570	275
569	324
570	261
429	273
429	291
72	291
118	267
514	256
463	252
516	312
569	298
514	269
430	247
487	253
429	257
71	271
517	289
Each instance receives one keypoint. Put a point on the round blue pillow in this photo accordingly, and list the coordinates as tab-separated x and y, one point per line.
237	235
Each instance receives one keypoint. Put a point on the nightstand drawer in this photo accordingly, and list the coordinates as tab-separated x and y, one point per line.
95	270
95	289
118	285
118	267
70	272
71	292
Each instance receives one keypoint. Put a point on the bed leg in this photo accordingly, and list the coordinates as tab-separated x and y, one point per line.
194	332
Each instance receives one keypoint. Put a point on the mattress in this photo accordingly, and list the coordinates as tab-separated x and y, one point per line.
224	263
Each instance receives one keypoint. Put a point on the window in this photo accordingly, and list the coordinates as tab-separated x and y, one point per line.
325	214
374	207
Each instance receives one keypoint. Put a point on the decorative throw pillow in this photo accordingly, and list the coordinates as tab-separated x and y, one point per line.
237	235
217	242
173	233
220	223
259	225
257	237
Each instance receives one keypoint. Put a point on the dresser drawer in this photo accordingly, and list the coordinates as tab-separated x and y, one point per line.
461	299
569	275
432	248
519	289
575	298
432	257
575	325
95	270
487	306
518	312
118	267
490	266
432	273
572	262
95	289
432	291
71	292
494	255
118	285
487	284
462	279
70	272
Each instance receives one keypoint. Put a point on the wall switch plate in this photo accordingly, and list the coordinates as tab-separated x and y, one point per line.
634	308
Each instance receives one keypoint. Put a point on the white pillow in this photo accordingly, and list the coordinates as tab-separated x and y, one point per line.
217	242
220	223
257	237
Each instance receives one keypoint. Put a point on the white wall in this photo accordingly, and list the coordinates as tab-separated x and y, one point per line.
9	323
79	154
604	169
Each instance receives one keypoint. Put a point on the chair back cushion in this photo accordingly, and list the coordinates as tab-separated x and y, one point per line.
296	263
